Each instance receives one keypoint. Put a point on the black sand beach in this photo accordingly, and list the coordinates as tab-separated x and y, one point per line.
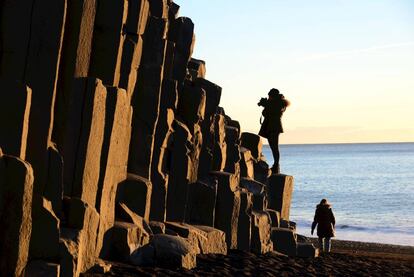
348	258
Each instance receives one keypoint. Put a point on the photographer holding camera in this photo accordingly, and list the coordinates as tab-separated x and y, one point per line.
274	107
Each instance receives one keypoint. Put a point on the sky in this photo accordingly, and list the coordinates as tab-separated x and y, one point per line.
347	66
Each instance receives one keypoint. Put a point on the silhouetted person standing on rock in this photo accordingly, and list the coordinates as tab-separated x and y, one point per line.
274	107
325	220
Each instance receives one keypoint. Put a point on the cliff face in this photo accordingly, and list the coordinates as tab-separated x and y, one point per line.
112	138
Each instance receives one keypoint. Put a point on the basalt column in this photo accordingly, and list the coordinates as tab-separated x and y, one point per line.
14	117
114	157
213	95
113	140
108	40
160	164
146	97
16	189
191	108
136	22
31	39
162	150
75	59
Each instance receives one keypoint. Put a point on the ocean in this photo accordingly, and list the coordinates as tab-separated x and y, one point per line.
370	187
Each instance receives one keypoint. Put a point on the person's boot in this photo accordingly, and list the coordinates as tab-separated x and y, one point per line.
275	169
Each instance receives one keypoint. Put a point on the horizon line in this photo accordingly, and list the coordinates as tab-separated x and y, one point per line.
322	143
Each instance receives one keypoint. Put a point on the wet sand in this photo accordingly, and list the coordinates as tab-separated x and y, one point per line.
348	258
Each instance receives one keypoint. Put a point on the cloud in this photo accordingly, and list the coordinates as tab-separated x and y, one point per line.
354	52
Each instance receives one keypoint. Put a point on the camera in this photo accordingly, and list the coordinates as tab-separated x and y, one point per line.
262	102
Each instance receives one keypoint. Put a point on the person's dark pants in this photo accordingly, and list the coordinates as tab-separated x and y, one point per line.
273	140
325	244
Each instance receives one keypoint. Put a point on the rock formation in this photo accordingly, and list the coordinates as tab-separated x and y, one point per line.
114	146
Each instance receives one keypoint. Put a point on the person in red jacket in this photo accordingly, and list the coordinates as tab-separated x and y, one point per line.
274	107
325	220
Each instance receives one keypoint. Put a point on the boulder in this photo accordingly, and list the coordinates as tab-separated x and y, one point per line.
14	117
39	268
280	189
202	202
135	193
123	239
193	235
227	206
16	190
108	40
166	251
204	239
284	241
307	250
84	138
244	222
216	240
261	242
114	156
252	142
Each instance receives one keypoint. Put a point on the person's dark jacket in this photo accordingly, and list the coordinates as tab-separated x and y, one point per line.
325	220
272	114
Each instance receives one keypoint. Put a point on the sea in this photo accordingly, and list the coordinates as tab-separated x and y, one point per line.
369	185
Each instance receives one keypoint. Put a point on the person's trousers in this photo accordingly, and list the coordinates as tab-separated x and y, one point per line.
273	140
325	244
